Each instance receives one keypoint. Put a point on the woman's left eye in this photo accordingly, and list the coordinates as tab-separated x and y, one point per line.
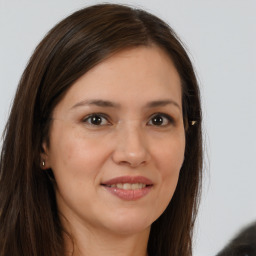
160	120
96	120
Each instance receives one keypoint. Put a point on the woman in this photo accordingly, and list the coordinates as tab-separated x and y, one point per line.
102	151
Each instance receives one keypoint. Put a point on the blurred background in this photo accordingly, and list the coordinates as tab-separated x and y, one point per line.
220	36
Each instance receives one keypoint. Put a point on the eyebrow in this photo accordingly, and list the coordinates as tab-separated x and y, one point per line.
110	104
99	103
162	103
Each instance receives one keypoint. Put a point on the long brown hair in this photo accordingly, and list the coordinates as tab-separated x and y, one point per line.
29	219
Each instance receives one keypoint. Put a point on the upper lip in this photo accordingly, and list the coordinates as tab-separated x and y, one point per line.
128	179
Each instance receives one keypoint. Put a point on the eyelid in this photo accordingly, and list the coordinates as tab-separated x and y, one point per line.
102	115
169	118
164	115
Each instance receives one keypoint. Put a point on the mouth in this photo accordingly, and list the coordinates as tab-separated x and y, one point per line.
128	187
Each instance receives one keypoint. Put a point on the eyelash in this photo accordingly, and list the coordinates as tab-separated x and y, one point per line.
97	115
168	118
165	118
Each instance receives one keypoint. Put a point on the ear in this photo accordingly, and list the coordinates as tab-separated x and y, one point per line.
44	157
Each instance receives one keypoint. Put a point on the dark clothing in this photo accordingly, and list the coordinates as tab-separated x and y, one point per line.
244	244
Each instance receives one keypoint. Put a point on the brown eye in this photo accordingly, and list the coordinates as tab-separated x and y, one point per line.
160	120
157	120
96	120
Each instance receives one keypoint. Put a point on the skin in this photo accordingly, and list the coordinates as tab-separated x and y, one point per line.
125	142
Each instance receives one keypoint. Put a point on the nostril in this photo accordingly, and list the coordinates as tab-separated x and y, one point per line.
132	163
131	148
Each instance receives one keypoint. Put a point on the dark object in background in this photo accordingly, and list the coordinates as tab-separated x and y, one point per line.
244	244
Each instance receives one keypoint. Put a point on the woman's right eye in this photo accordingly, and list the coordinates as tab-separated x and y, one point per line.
96	120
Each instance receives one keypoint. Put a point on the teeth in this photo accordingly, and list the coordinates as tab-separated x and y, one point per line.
119	185
129	186
135	186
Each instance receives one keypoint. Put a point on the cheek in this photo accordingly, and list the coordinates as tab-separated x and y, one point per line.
171	157
73	157
76	162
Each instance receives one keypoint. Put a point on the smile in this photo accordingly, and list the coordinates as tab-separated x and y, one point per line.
128	187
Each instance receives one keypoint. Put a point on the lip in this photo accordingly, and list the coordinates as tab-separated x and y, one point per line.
128	194
128	179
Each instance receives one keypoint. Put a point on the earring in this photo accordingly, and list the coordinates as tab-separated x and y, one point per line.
43	163
193	122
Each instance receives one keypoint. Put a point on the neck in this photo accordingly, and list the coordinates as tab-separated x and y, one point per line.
87	242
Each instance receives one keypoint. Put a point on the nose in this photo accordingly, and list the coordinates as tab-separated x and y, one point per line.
131	148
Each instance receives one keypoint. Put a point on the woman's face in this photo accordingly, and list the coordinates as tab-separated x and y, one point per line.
117	142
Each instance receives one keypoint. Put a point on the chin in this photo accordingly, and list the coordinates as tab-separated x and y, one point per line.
127	230
130	223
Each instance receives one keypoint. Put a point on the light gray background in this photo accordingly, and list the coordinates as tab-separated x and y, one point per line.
221	38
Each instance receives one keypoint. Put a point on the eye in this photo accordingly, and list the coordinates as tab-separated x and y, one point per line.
160	119
96	120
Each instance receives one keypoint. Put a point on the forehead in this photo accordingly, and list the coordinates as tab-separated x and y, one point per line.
132	76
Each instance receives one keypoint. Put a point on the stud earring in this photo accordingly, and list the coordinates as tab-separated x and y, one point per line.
43	163
193	122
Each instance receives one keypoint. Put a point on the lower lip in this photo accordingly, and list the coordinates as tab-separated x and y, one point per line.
129	194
